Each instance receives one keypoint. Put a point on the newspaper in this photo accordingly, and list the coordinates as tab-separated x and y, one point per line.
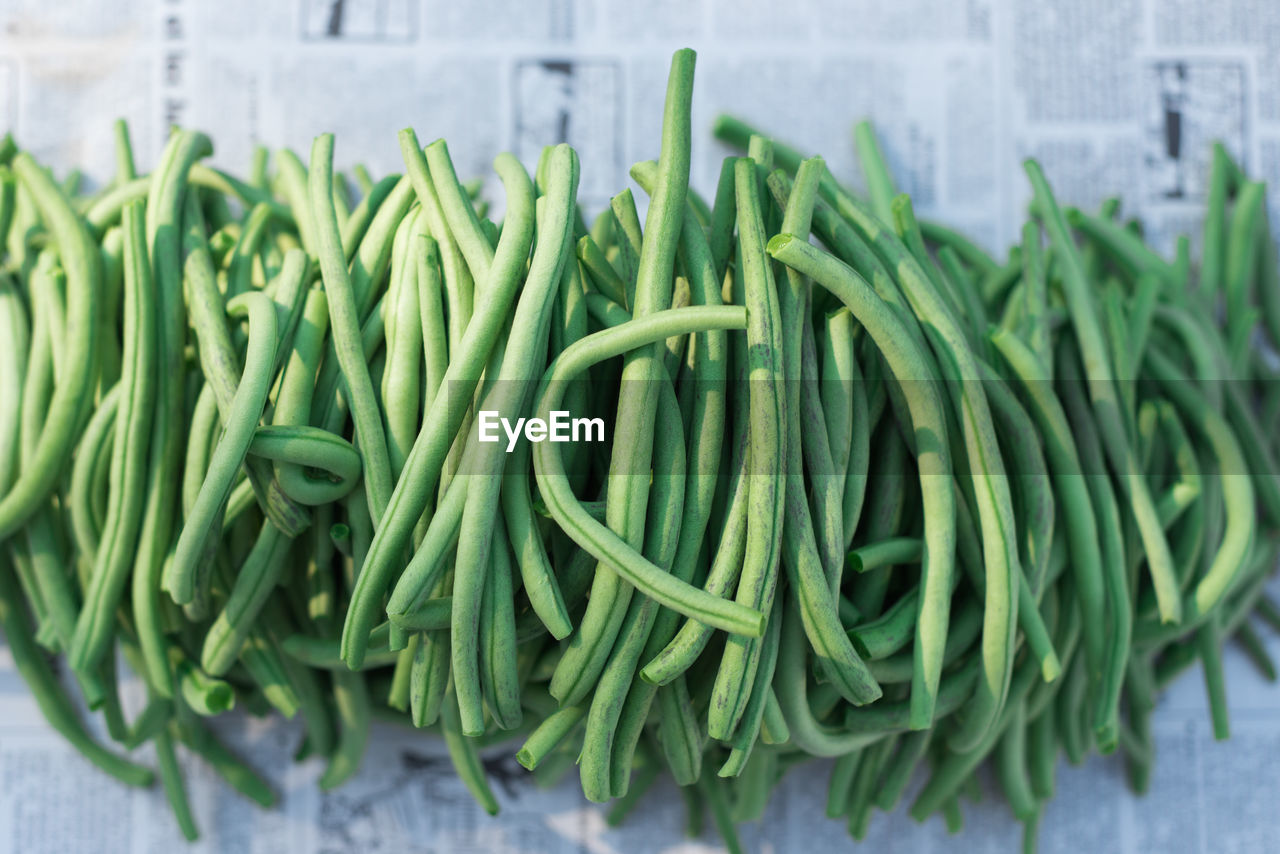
1110	95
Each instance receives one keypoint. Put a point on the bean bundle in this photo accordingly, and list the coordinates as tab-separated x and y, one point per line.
866	493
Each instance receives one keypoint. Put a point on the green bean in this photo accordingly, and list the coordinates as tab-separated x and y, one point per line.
402	381
428	678
432	615
680	732
843	404
357	223
202	438
1069	702
706	416
240	271
351	699
767	434
428	562
1011	766
629	243
890	552
424	254
422	467
553	730
167	188
94	446
620	705
1080	499
459	284
1256	651
458	211
201	693
466	761
1268	270
828	486
239	775
1035	284
1208	643
956	765
860	793
628	485
171	780
969	252
497	644
964	628
723	217
23	224
1238	494
589	534
623	806
344	321
933	460
537	574
48	286
893	783
889	632
128	457
512	376
749	727
1240	270
1105	401
712	792
299	453
180	575
13	370
72	396
604	277
880	188
43	684
1122	246
692	638
994	511
952	300
373	254
254	582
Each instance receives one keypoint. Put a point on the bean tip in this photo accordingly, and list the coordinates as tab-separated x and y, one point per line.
778	243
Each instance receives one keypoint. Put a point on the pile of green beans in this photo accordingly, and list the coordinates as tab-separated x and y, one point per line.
866	492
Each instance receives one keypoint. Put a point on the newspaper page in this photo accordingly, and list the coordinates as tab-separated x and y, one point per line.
1110	95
